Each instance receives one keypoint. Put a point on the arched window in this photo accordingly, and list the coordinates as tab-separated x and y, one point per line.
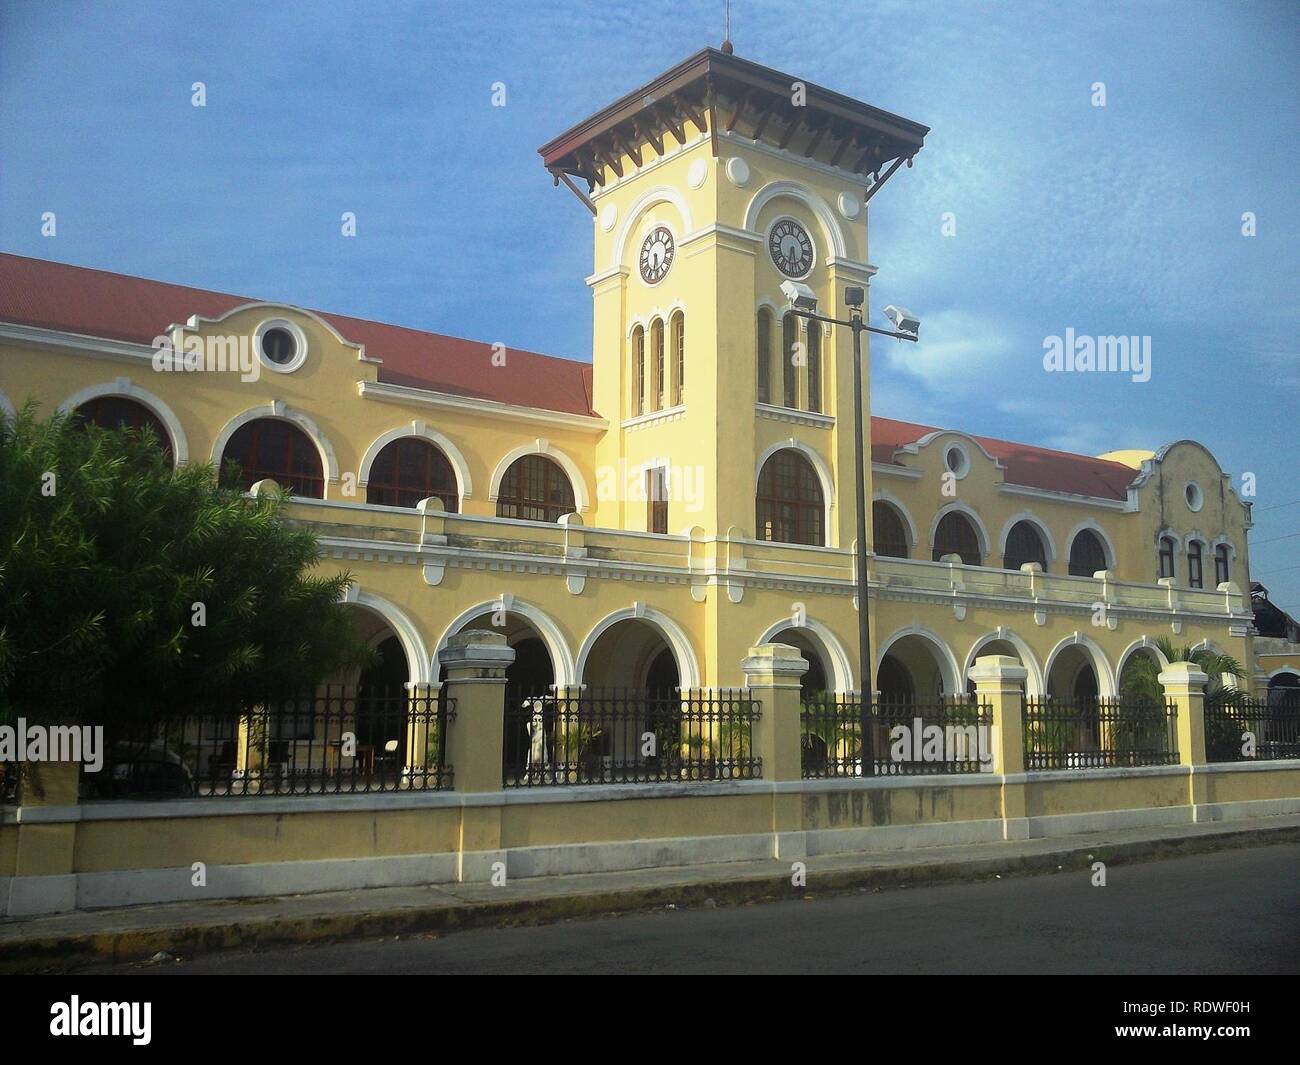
1087	556
657	364
535	489
1166	556
638	371
119	412
1024	544
891	536
1195	578
956	536
271	447
410	469
791	508
789	375
1221	565
814	367
763	359
679	358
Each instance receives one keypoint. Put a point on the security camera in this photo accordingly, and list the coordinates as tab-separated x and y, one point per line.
799	296
904	320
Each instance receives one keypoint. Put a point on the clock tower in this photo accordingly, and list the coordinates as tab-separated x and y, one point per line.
709	187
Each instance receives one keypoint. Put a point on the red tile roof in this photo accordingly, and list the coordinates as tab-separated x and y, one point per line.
1027	465
98	303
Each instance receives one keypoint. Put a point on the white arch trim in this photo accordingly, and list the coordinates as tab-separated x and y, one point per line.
1100	664
953	684
981	533
823	472
276	409
834	654
1033	519
125	388
883	496
819	207
417	657
1144	644
1107	547
1034	686
581	498
464	485
688	666
658	194
556	645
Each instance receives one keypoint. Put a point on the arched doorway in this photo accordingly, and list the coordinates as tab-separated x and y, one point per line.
1074	735
913	670
816	680
530	680
1284	690
997	646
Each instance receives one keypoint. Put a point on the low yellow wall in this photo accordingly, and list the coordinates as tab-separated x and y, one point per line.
44	851
1094	793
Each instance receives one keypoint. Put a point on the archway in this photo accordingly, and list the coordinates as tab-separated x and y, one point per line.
1072	675
530	679
916	666
1284	689
1003	642
817	679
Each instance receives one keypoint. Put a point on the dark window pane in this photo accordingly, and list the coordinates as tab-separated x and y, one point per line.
790	505
270	447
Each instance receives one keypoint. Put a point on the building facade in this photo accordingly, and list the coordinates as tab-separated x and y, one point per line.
644	520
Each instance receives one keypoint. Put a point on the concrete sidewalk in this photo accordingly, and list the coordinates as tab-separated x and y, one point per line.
62	941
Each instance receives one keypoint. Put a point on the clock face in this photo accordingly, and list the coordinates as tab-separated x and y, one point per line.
791	248
656	255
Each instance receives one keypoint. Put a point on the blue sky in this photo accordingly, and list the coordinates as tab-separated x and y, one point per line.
1117	220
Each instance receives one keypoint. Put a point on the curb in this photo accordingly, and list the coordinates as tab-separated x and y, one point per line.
63	953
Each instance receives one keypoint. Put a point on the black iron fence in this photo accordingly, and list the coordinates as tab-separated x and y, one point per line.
1099	732
1241	729
905	737
623	736
339	740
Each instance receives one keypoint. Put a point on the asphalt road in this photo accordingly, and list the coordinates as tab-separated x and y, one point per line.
1232	911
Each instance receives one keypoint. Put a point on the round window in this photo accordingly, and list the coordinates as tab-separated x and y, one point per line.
1192	493
281	345
956	461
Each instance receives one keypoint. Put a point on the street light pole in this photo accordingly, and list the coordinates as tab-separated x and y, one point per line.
865	670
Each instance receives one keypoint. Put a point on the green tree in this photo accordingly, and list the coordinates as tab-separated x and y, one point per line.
1141	676
129	591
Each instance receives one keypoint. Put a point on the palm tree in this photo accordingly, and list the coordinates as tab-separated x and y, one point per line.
1140	681
1141	677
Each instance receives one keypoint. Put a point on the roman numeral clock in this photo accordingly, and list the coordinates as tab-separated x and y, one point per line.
791	248
657	252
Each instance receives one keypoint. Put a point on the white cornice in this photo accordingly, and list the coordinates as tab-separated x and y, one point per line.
1104	502
852	266
486	407
798	417
656	417
895	471
76	343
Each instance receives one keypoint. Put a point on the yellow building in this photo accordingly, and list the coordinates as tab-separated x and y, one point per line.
644	520
667	517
